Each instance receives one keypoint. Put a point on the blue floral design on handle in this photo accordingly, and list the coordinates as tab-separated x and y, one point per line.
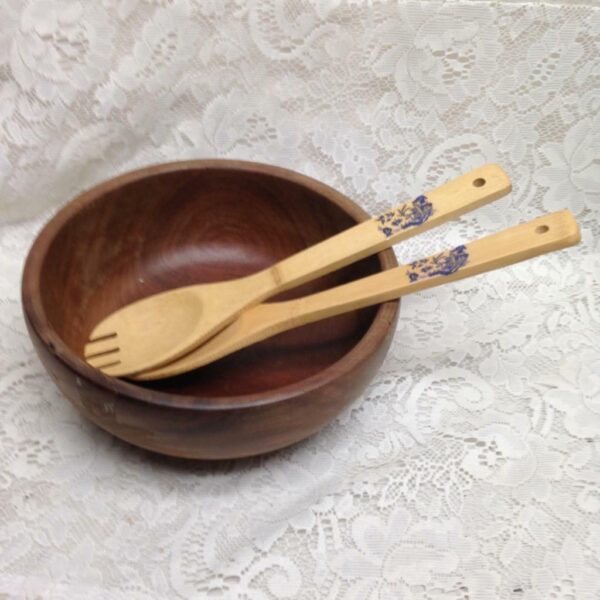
445	263
408	215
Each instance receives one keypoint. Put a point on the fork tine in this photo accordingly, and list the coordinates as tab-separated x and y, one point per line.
105	328
99	347
103	362
108	369
99	362
98	337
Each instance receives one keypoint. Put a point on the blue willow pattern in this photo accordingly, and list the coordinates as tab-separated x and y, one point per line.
408	215
444	263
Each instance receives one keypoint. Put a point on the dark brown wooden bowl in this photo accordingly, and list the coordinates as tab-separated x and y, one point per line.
190	222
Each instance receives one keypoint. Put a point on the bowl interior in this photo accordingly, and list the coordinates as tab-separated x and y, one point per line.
192	226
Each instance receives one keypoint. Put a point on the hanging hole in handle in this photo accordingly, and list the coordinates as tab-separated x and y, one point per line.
479	182
542	229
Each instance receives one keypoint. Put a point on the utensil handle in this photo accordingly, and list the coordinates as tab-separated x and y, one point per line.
442	204
542	235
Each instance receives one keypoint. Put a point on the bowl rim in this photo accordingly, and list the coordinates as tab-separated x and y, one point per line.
36	316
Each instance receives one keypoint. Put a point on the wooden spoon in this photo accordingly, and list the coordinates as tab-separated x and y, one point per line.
158	329
542	235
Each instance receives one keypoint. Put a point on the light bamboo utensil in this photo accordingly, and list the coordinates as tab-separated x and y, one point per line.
540	236
159	329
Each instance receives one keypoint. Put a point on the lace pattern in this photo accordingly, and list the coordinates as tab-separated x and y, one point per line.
469	470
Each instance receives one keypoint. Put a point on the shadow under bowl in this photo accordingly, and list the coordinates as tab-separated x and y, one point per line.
191	222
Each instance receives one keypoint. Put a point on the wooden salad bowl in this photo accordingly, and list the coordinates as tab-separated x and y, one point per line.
190	222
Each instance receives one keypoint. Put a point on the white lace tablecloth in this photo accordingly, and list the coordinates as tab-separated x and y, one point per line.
471	467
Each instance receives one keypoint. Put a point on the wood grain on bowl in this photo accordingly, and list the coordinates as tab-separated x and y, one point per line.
202	221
